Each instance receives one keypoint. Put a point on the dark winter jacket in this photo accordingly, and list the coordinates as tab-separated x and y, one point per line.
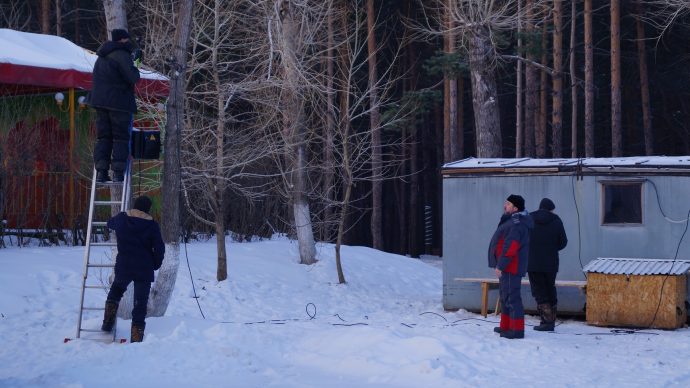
114	77
547	238
140	247
509	247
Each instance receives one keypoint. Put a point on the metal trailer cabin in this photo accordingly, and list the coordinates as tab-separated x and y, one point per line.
632	207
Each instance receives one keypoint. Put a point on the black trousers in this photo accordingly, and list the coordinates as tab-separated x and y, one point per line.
112	133
543	285
141	297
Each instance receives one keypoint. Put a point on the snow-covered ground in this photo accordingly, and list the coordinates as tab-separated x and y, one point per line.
384	328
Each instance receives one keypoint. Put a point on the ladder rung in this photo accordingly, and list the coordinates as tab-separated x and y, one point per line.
109	183
93	331
99	223
104	244
93	308
101	265
102	287
109	203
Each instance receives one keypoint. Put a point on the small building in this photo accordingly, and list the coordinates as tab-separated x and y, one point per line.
47	155
637	292
632	207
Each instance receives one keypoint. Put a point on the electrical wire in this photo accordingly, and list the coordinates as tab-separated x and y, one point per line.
196	297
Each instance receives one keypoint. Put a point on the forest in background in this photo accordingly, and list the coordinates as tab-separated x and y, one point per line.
339	114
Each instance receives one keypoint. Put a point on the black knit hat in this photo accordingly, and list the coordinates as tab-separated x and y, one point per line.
143	203
517	201
118	34
546	204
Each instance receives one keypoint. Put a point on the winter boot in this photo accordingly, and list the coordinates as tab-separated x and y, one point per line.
513	334
102	176
109	316
137	333
498	330
548	318
118	176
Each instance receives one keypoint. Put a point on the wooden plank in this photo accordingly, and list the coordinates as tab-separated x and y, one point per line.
636	300
562	283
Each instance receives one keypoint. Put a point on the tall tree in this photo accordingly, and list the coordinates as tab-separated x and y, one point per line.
288	38
45	16
450	93
616	130
573	82
531	82
170	189
557	93
519	92
375	128
644	81
543	88
589	82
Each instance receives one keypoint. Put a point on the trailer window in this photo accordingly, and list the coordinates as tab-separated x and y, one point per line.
622	203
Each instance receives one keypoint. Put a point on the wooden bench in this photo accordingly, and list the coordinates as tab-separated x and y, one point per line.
492	284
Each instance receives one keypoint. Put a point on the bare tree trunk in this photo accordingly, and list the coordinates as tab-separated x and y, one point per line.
295	133
219	184
557	94
375	128
543	107
616	130
58	18
461	117
487	119
450	102
589	82
161	290
644	82
115	14
530	86
573	82
329	161
415	141
519	123
45	16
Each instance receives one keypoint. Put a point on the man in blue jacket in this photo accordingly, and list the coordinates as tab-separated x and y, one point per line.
508	253
112	95
140	251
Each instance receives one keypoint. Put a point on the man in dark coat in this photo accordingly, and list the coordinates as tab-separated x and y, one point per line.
112	95
508	253
547	238
140	251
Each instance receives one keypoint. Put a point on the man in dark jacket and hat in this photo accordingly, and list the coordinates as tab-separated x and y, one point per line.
140	251
112	95
547	238
508	253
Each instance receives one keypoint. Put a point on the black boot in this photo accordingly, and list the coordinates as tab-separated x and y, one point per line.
498	330
548	318
109	316
513	334
118	176
102	176
137	333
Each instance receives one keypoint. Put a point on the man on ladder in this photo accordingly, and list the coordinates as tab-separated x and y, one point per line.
114	75
140	251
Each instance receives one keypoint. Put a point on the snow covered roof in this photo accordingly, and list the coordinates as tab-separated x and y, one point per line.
481	165
55	62
619	266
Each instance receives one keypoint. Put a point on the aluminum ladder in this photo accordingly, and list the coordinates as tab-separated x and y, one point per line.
123	204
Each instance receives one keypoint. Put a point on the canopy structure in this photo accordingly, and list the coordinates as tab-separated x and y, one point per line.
34	63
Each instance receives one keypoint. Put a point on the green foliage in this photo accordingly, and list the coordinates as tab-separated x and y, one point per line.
411	109
446	64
